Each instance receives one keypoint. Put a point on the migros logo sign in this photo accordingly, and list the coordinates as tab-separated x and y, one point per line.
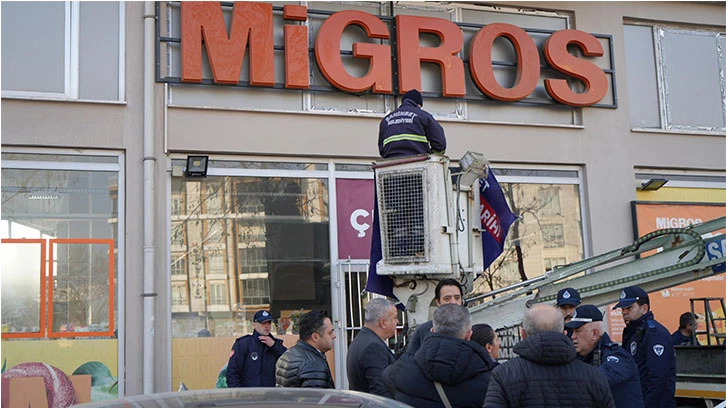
252	26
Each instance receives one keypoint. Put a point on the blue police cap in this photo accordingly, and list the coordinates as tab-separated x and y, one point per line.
584	314
262	316
630	295
568	296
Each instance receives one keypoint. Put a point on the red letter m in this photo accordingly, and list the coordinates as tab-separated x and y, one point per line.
226	53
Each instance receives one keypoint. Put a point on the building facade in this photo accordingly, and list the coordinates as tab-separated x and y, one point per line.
129	259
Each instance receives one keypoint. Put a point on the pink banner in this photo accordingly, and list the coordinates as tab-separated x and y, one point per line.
355	218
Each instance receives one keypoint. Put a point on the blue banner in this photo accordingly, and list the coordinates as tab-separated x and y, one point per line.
496	218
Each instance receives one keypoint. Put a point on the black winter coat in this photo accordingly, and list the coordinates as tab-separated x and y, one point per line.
252	363
408	131
462	367
303	366
367	356
547	374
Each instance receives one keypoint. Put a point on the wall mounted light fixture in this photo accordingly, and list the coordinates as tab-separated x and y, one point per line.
653	184
197	166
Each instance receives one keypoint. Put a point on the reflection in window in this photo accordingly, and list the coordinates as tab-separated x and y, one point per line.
550	199
79	207
249	243
179	265
218	293
256	291
550	263
541	231
252	260
553	236
179	294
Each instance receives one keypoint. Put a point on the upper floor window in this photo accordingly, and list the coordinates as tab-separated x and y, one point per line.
63	50
553	235
675	78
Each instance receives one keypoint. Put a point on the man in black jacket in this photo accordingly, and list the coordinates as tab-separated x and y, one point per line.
368	353
651	346
410	130
253	357
547	372
447	291
447	367
304	365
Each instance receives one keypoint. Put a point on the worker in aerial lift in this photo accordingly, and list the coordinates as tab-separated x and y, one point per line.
407	131
410	130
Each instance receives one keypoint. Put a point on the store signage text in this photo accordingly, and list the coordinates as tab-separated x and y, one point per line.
252	24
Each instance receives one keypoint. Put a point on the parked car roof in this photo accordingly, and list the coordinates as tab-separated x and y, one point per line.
251	397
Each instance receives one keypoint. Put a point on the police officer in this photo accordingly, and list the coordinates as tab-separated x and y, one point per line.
567	300
652	347
593	345
410	130
253	357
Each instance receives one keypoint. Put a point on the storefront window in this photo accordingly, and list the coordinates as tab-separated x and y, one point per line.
249	243
548	231
59	261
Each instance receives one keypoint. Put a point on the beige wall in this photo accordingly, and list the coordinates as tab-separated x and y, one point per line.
198	360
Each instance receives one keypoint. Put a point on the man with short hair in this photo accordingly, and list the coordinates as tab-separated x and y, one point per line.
652	347
368	353
253	357
448	368
547	372
448	291
593	345
567	301
304	365
687	325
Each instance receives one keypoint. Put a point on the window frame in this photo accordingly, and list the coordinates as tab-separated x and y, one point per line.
72	61
658	31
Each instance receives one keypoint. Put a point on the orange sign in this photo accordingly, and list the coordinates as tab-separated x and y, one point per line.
669	304
252	23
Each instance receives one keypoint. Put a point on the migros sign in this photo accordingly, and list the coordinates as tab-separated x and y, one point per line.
252	26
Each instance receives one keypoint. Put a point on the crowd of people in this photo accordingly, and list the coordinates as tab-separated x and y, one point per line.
565	357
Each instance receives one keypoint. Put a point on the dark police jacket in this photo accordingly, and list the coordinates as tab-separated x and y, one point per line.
462	368
547	374
303	366
621	371
652	347
680	340
252	363
408	131
367	356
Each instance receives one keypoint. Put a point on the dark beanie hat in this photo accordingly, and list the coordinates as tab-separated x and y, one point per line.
415	96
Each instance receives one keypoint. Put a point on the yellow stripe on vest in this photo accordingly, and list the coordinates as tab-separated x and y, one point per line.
405	136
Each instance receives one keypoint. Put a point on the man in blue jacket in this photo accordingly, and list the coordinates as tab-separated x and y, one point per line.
593	344
409	130
253	357
652	347
684	335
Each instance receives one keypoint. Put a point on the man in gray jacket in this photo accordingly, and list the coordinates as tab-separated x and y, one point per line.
368	353
304	365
